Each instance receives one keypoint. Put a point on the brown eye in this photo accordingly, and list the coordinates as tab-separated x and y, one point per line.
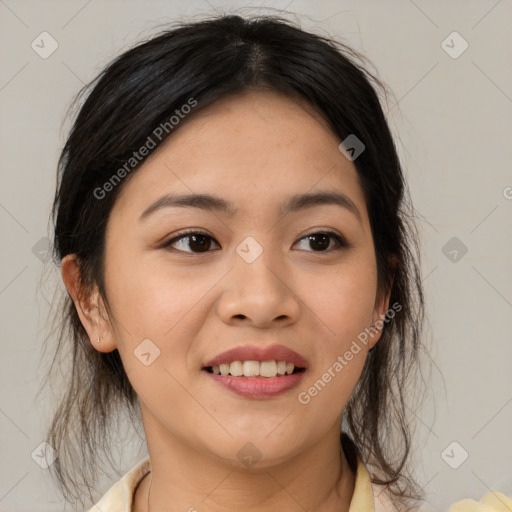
196	242
321	242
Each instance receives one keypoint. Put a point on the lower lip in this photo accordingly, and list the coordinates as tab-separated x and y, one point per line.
258	387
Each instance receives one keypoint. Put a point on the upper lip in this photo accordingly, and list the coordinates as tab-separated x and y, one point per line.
258	353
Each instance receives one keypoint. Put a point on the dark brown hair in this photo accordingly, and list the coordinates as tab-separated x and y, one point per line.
140	90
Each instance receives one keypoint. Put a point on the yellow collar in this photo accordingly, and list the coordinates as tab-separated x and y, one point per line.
362	499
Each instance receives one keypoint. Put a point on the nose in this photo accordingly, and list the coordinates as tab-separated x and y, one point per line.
260	294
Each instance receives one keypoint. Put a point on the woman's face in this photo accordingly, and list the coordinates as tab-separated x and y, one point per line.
255	278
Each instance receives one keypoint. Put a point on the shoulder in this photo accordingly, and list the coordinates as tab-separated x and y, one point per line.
120	496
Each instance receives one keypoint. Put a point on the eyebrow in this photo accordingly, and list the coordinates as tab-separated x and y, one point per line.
212	203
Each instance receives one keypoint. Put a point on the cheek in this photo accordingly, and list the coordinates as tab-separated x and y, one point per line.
342	312
344	304
344	301
155	309
327	392
152	300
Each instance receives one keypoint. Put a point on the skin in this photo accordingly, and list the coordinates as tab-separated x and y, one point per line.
254	149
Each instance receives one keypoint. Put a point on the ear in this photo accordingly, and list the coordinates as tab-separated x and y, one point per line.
89	305
381	308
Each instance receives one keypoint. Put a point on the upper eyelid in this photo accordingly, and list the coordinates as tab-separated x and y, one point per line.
186	234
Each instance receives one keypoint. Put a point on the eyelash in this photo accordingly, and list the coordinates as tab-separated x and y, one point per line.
341	242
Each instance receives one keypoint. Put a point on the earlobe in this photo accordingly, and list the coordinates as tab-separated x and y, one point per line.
89	306
376	329
379	315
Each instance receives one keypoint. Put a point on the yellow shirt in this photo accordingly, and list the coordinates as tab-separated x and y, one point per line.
491	502
366	498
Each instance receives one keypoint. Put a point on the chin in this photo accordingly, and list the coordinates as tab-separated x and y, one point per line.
257	450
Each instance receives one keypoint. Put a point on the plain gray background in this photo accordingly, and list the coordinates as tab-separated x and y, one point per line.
453	124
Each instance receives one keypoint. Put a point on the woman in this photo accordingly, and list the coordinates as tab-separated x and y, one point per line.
233	233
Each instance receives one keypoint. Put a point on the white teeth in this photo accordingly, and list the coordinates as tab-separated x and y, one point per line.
251	368
254	368
268	368
236	369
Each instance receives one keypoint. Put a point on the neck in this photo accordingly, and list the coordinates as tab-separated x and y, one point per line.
183	479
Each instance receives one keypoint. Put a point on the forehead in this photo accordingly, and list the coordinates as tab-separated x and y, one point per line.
251	148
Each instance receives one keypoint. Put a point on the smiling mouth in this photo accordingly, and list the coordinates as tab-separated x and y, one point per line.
255	379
